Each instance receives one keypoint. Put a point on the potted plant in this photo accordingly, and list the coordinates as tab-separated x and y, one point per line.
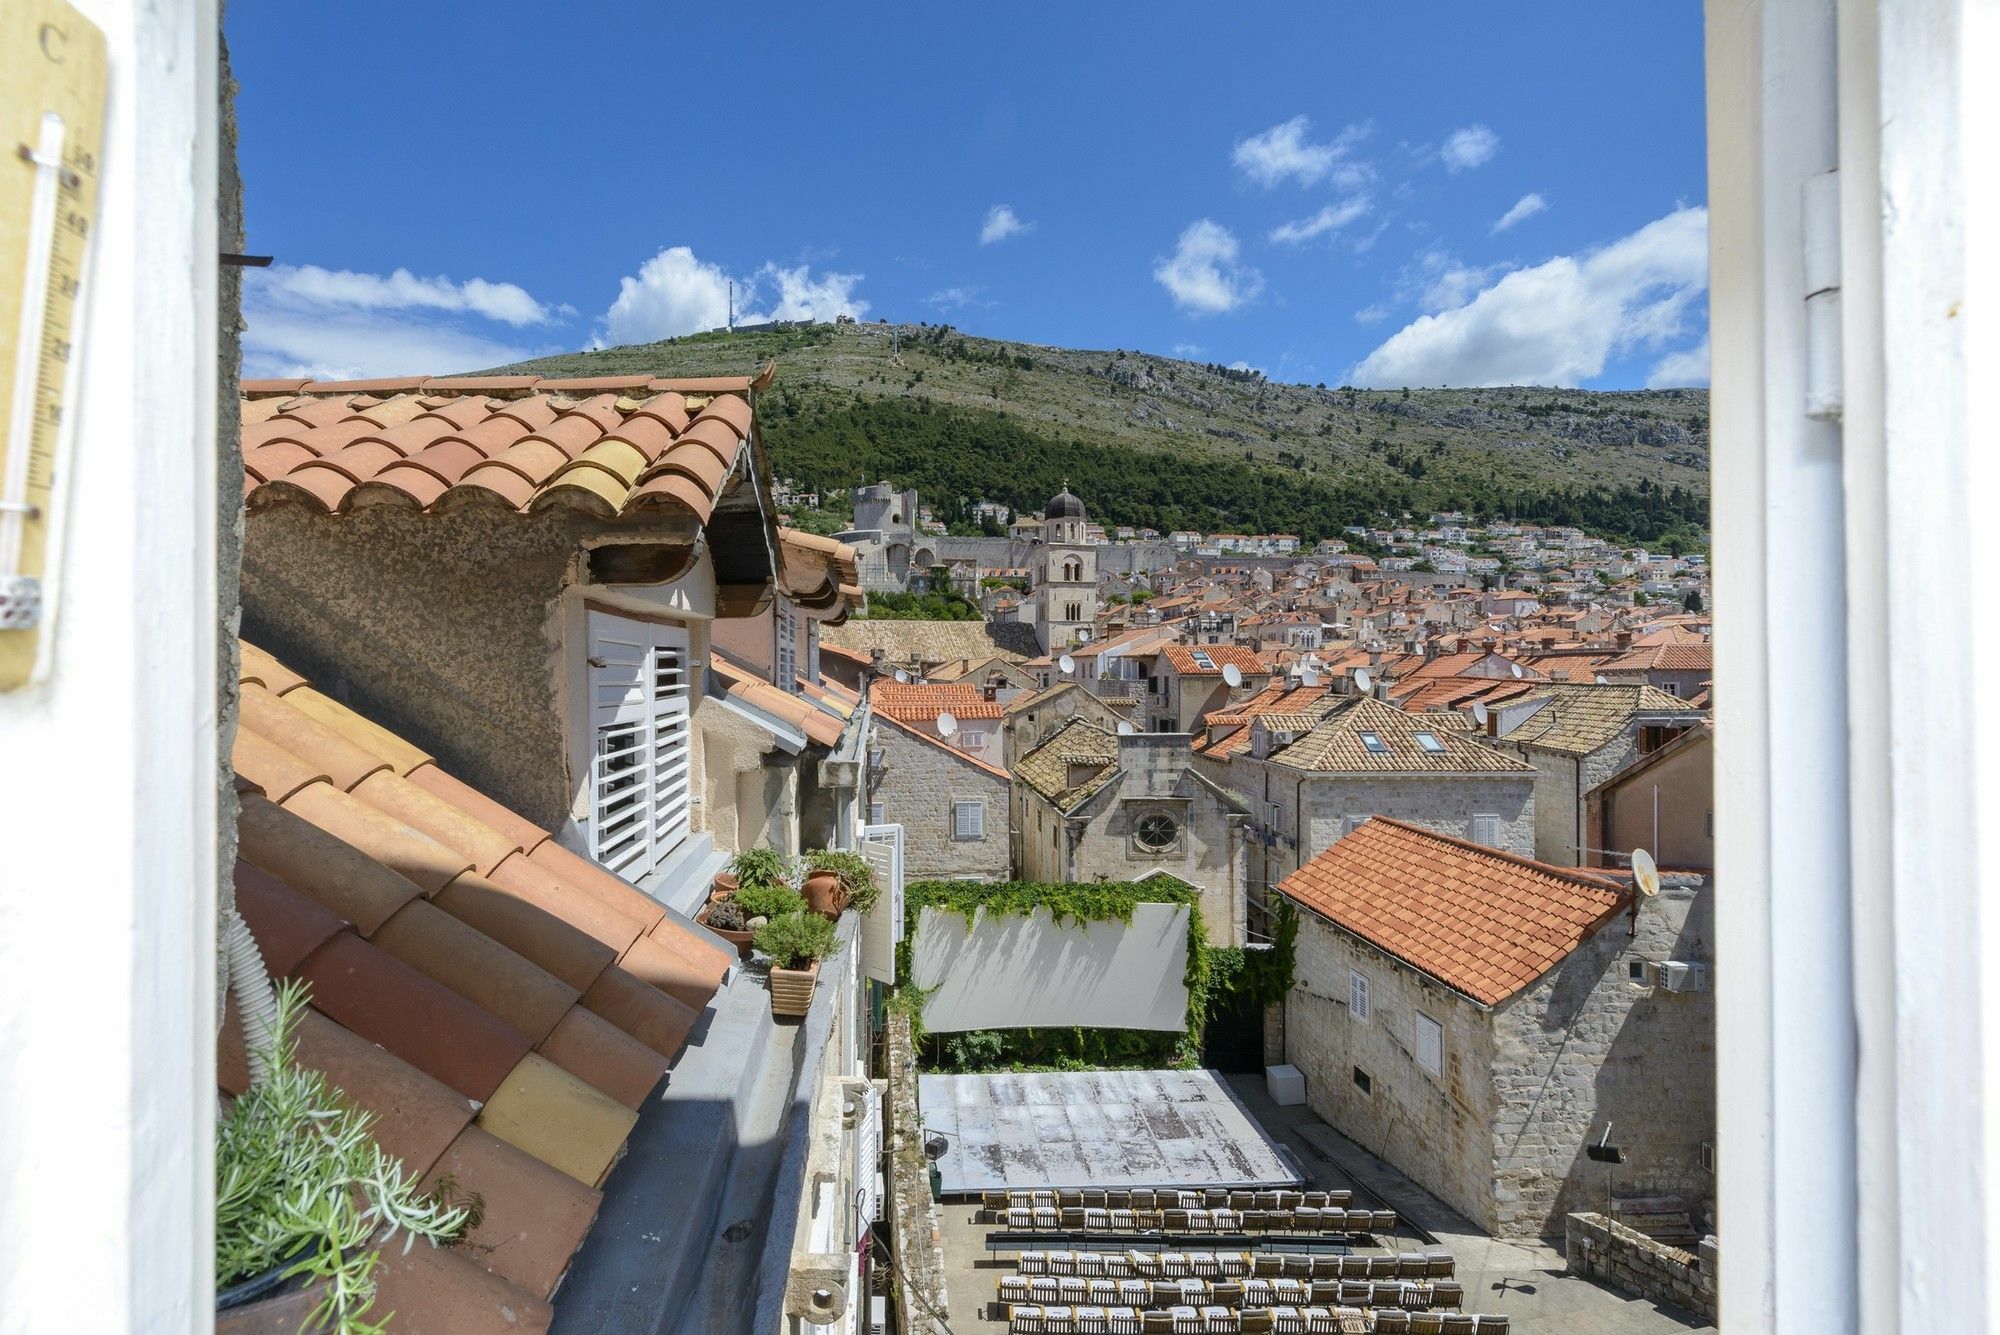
737	916
796	943
837	880
304	1195
753	866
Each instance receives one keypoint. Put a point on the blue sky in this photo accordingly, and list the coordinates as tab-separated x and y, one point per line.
1376	193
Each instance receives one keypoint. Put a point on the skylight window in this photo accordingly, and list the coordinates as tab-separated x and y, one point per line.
1429	741
1374	743
1203	661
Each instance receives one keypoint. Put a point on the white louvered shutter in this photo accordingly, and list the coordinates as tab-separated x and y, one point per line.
1357	995
1486	830
640	785
969	820
882	927
1430	1044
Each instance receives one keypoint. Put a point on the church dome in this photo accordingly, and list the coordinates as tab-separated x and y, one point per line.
1064	506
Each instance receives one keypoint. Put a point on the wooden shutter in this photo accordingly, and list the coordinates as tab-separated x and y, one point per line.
1430	1044
882	927
641	785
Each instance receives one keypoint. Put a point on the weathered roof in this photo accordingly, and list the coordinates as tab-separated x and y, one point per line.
821	723
502	1005
924	641
1046	769
1481	921
1577	719
964	757
1672	657
1208	660
1337	746
615	447
922	702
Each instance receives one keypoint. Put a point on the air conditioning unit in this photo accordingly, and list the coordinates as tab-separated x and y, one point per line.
1680	976
878	1315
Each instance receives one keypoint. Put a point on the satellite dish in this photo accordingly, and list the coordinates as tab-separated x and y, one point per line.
1232	675
1067	664
1645	873
946	725
902	675
1516	668
1125	728
1364	680
1479	712
1600	679
1309	678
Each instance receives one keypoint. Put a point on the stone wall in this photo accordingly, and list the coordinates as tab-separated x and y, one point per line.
1561	821
1586	1046
1156	778
914	1226
918	784
1431	1127
1597	1248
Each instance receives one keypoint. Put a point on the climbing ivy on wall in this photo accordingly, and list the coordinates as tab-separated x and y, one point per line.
1212	973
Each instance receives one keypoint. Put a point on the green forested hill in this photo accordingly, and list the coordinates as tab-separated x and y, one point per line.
1151	441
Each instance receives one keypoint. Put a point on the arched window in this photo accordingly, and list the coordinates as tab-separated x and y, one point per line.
1072	570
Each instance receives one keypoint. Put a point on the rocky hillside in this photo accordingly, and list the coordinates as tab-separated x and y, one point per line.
857	402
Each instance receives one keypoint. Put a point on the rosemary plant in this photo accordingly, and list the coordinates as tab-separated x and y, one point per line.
301	1183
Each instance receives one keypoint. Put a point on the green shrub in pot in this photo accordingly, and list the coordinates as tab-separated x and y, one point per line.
796	940
857	878
302	1186
768	901
759	866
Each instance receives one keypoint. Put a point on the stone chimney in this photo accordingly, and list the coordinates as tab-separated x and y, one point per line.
1623	639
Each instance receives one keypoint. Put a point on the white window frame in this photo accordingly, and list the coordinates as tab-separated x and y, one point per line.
1485	824
1428	1044
1359	1003
637	683
971	832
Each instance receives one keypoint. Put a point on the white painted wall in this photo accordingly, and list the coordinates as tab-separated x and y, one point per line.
1027	971
108	782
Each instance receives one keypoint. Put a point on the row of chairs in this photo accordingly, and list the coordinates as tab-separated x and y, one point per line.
1236	1265
1411	1295
1080	1219
1167	1198
1034	1319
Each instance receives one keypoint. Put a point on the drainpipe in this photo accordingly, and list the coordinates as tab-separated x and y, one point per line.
256	1002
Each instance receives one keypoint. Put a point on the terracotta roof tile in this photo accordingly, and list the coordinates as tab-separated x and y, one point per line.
641	1010
525	835
1079	750
271	769
440	1289
1578	719
966	757
266	671
399	847
518	992
423	810
605	1057
417	1116
531	931
378	997
1182	658
533	1217
561	1120
922	702
610	446
659	962
365	733
288	926
336	874
311	741
1481	921
538	886
1341	744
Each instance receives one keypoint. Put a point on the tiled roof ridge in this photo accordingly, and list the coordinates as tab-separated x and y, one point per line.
1493	854
494	386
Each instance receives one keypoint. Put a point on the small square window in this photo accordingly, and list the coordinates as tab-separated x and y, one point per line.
1364	1082
1429	741
1373	742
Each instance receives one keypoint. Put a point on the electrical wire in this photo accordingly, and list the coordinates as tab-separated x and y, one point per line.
922	1298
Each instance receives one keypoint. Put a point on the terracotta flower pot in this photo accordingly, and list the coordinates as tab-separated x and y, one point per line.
741	940
723	886
824	893
792	990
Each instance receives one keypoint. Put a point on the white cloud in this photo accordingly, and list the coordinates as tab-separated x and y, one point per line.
1558	322
304	320
1203	274
1375	314
1187	349
1331	218
1283	152
1526	207
1468	148
1679	370
952	298
1447	283
1001	223
675	293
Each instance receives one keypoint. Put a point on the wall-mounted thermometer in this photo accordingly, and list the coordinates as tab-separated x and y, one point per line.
52	86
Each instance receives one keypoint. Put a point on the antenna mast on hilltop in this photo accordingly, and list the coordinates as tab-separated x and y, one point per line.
732	305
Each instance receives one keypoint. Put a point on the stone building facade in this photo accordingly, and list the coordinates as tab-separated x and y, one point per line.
954	809
1490	1103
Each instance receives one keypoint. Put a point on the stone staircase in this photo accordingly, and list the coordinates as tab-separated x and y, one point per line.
1667	1219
